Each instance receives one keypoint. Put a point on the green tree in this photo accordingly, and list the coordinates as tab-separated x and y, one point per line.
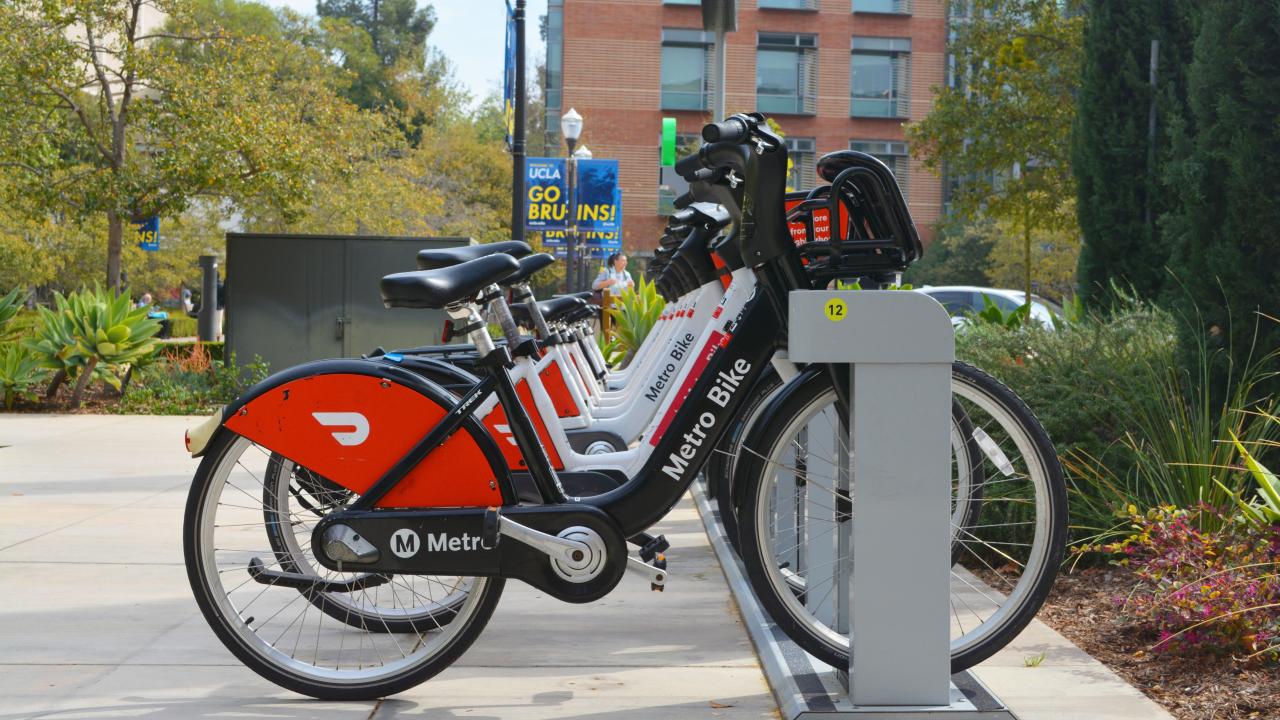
1117	165
108	118
383	45
397	29
1224	245
1005	128
960	254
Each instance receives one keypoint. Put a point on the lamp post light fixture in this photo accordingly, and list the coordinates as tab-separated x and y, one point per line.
571	128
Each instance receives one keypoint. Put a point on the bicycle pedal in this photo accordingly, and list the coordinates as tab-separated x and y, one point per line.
654	548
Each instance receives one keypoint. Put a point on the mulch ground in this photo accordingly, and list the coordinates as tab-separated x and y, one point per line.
1191	687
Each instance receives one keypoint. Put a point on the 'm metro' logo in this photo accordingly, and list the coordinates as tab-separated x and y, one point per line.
404	543
358	423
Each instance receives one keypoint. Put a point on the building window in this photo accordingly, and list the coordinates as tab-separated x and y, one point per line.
681	2
787	73
890	152
787	4
880	74
554	78
802	170
889	7
686	69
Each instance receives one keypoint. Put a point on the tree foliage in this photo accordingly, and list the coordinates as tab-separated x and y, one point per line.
1224	246
108	118
1116	164
1004	127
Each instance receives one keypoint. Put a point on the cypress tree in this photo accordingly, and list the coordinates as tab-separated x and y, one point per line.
1225	232
1117	166
1109	151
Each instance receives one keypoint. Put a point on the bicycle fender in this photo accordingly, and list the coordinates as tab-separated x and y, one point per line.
749	454
352	420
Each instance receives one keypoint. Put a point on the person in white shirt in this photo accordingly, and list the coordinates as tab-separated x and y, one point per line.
613	277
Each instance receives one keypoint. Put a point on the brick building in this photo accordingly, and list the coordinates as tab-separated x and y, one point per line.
834	74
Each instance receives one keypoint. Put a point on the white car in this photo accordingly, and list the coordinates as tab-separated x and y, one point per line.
963	300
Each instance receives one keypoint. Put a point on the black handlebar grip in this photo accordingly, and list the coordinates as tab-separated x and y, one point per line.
689	164
731	130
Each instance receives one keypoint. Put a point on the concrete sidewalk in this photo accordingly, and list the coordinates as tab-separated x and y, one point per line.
98	619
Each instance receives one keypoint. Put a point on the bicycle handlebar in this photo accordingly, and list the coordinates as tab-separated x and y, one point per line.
731	130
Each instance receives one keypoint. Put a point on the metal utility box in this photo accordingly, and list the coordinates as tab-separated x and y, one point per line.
294	298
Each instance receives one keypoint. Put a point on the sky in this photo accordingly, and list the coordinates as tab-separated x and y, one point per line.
471	34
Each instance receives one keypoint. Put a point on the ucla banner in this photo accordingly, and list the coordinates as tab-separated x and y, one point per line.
509	77
598	199
546	203
149	234
595	244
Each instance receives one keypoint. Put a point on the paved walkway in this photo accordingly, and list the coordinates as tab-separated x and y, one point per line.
98	620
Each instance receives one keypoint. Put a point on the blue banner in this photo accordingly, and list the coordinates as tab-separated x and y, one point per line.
595	244
509	78
546	203
599	200
149	234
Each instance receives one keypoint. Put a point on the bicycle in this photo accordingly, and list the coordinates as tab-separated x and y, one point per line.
431	495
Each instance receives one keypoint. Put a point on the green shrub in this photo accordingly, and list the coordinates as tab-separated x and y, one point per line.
19	372
181	326
1132	428
192	385
10	305
185	348
94	335
634	312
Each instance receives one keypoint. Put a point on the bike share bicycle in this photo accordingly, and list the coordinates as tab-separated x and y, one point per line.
382	590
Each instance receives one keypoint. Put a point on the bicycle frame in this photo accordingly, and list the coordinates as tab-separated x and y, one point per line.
728	362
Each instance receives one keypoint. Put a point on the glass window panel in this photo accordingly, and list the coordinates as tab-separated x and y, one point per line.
876	6
872	86
683	86
785	4
777	81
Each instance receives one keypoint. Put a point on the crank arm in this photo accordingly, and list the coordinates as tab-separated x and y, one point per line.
259	572
657	577
569	551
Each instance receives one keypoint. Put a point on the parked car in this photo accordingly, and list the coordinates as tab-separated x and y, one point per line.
964	300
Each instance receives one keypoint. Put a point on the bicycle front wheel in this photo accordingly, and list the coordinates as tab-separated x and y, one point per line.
1006	546
236	521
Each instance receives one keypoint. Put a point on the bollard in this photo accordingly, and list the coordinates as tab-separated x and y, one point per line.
207	325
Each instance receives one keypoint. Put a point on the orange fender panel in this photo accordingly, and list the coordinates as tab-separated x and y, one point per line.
499	428
553	380
353	428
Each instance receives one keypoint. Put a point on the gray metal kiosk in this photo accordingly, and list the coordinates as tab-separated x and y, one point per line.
893	584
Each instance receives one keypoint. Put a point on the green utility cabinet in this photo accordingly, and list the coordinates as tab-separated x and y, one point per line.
294	298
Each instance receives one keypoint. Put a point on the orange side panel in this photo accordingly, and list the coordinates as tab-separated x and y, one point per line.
353	428
496	421
553	380
586	378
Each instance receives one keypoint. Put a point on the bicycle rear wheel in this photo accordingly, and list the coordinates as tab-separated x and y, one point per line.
1005	553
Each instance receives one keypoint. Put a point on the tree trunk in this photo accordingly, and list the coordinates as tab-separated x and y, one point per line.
124	384
82	382
58	378
1026	256
115	244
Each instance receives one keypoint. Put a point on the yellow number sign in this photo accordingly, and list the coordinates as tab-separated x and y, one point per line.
836	309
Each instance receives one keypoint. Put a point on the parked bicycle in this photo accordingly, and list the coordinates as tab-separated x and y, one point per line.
353	522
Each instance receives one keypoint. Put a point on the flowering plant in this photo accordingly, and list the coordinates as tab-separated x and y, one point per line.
1211	590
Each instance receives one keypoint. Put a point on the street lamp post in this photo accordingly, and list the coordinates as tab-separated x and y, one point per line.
582	271
571	128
